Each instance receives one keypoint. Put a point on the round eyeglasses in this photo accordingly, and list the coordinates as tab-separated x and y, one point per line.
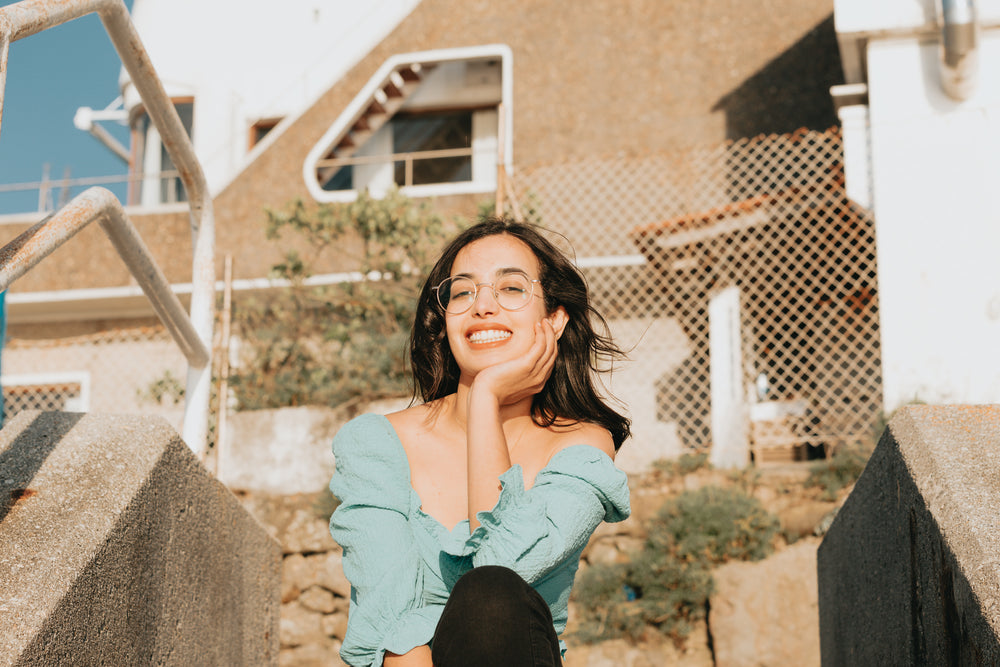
512	291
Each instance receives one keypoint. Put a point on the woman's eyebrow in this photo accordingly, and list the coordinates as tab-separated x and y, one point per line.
499	272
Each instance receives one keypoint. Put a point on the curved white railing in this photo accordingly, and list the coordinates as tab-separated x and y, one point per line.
194	334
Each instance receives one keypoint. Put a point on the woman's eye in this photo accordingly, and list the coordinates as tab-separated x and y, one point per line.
513	289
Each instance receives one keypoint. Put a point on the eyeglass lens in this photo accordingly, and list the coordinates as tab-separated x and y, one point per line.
511	291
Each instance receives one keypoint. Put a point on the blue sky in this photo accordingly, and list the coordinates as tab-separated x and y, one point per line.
50	75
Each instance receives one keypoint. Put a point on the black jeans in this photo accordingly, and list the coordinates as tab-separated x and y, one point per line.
493	618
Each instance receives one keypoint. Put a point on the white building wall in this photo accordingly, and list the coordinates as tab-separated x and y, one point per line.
254	59
935	172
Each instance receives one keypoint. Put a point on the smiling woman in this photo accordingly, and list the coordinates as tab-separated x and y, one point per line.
462	519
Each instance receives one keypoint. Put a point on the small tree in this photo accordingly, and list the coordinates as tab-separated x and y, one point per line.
335	343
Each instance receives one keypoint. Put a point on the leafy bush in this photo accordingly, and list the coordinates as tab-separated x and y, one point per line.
713	525
164	390
683	465
335	343
654	590
666	585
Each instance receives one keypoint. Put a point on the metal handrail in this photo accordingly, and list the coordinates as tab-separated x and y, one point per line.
32	246
29	17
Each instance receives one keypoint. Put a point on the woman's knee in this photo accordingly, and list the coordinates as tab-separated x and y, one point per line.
494	617
489	579
491	593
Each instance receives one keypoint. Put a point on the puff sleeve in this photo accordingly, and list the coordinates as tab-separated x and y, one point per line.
533	532
381	558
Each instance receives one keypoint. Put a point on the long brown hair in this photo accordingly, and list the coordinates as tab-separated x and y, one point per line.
570	393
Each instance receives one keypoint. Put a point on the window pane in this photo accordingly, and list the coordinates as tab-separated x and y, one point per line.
341	179
431	132
172	189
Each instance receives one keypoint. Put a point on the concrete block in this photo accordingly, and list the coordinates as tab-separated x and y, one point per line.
909	573
118	547
285	450
288	450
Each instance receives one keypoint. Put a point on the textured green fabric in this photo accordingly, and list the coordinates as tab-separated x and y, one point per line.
402	563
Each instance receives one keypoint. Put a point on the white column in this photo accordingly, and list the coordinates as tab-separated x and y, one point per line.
730	444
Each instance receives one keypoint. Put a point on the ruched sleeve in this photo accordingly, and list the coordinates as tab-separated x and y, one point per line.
535	531
381	559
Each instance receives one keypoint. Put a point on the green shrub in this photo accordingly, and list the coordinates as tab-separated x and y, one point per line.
604	608
332	344
671	593
683	465
667	584
654	590
713	525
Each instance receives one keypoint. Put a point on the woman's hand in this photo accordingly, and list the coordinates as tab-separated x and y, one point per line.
517	379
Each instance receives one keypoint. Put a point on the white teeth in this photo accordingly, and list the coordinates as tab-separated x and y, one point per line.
488	336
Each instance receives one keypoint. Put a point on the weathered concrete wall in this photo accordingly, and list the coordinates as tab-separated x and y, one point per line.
117	547
909	573
281	451
287	451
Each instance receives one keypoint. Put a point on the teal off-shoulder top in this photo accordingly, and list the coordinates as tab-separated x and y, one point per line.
402	563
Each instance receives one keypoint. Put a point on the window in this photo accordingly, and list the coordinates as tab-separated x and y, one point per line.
427	123
153	178
260	129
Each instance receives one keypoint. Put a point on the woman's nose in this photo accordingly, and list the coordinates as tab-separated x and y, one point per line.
486	301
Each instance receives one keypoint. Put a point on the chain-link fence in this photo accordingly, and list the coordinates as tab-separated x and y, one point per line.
662	236
131	367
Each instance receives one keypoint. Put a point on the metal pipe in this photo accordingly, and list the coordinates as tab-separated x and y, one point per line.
31	16
39	241
84	120
959	60
4	50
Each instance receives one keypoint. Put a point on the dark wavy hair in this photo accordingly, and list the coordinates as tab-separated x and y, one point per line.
569	393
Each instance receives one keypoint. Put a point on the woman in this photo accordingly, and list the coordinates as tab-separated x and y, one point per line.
462	519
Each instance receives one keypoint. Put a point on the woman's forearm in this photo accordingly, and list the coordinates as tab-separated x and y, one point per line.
487	453
417	657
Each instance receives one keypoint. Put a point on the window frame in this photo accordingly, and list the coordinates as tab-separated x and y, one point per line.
138	179
343	123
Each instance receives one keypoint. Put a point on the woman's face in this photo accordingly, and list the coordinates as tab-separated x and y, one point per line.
486	334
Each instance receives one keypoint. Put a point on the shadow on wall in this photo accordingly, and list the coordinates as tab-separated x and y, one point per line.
21	461
791	91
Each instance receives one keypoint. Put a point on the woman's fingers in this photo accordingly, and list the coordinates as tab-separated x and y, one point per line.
525	376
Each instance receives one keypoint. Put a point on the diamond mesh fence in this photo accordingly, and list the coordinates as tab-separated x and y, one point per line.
660	236
132	367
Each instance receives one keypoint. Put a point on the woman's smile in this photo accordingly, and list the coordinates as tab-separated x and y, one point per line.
486	333
488	337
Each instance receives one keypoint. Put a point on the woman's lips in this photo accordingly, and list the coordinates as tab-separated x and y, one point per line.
488	336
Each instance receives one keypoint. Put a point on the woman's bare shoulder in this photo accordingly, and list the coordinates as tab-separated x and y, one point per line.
416	419
583	433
